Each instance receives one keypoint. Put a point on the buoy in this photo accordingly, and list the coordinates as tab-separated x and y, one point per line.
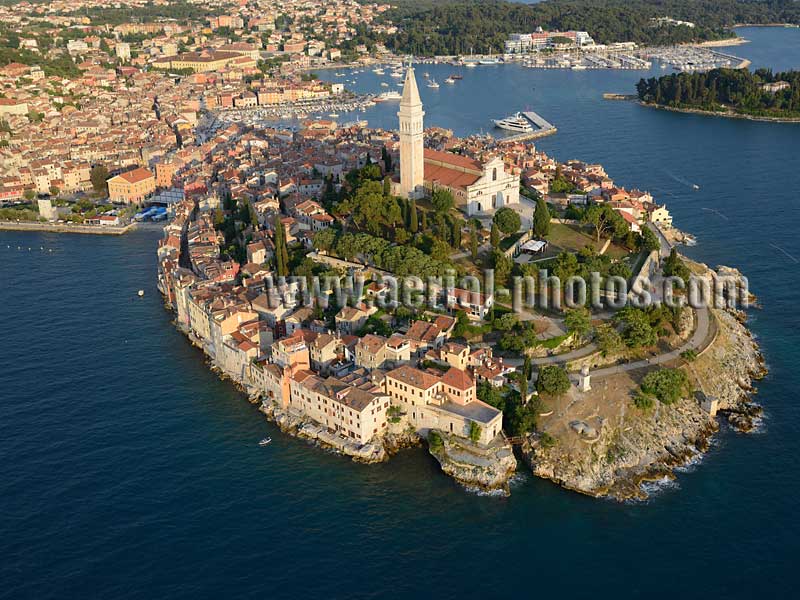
141	293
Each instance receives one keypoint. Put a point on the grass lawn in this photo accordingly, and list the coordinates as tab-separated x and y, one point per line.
572	238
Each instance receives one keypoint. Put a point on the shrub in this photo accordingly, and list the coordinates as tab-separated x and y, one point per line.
435	441
668	385
552	380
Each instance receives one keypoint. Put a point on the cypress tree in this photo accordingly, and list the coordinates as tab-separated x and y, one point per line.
495	237
413	224
541	219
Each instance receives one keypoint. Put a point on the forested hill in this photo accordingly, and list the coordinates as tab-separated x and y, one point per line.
762	93
430	27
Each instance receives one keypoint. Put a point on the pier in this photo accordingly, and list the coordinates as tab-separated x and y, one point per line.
543	128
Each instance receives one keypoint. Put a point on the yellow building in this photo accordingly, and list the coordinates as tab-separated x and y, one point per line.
131	187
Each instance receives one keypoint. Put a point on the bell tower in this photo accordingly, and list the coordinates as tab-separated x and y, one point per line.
412	165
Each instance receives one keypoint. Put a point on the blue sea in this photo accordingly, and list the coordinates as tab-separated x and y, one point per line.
129	470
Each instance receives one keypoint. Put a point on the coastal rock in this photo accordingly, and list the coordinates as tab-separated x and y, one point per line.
484	468
637	445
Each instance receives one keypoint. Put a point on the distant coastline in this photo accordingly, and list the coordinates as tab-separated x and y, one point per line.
728	114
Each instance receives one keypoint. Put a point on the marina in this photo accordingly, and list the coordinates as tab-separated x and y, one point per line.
538	127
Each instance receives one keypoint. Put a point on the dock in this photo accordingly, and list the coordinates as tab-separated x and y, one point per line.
543	128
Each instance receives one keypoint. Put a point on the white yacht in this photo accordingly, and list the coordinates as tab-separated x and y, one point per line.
432	84
516	122
396	74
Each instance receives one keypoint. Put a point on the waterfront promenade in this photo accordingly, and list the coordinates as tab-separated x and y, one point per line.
66	228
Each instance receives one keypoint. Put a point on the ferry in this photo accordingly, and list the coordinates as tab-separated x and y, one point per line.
516	122
432	84
388	96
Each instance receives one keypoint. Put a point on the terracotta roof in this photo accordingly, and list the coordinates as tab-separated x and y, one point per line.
136	175
414	377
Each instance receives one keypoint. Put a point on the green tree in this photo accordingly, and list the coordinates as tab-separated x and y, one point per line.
608	339
495	236
413	224
668	385
578	322
99	177
281	249
474	432
552	380
442	200
507	220
541	219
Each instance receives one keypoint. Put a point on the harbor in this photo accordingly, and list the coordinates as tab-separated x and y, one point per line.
538	127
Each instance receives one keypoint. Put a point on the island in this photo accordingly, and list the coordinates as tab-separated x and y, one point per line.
738	93
372	290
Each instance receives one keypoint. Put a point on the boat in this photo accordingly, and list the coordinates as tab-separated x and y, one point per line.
141	293
388	96
426	74
384	84
265	441
578	67
432	84
449	80
516	122
471	64
695	186
333	115
455	76
488	61
395	74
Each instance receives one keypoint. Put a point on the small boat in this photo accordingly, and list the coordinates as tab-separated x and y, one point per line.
333	115
578	68
432	84
384	84
456	76
140	293
265	441
695	186
471	64
449	80
426	74
395	74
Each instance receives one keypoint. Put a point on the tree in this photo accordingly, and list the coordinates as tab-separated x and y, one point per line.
608	339
668	385
474	432
552	380
605	220
541	219
442	200
578	321
502	267
281	250
413	225
495	236
99	176
507	220
473	240
29	195
506	322
325	239
387	187
637	330
648	241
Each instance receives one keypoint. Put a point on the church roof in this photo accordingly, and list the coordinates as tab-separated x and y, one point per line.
451	170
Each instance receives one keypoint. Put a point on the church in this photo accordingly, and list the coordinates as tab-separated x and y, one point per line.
478	188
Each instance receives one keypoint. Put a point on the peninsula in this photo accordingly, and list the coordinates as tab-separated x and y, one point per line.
737	93
366	295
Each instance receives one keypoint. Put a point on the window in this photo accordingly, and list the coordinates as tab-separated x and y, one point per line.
494	174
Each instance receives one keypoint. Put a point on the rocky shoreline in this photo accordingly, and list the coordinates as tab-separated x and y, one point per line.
649	447
484	469
725	115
